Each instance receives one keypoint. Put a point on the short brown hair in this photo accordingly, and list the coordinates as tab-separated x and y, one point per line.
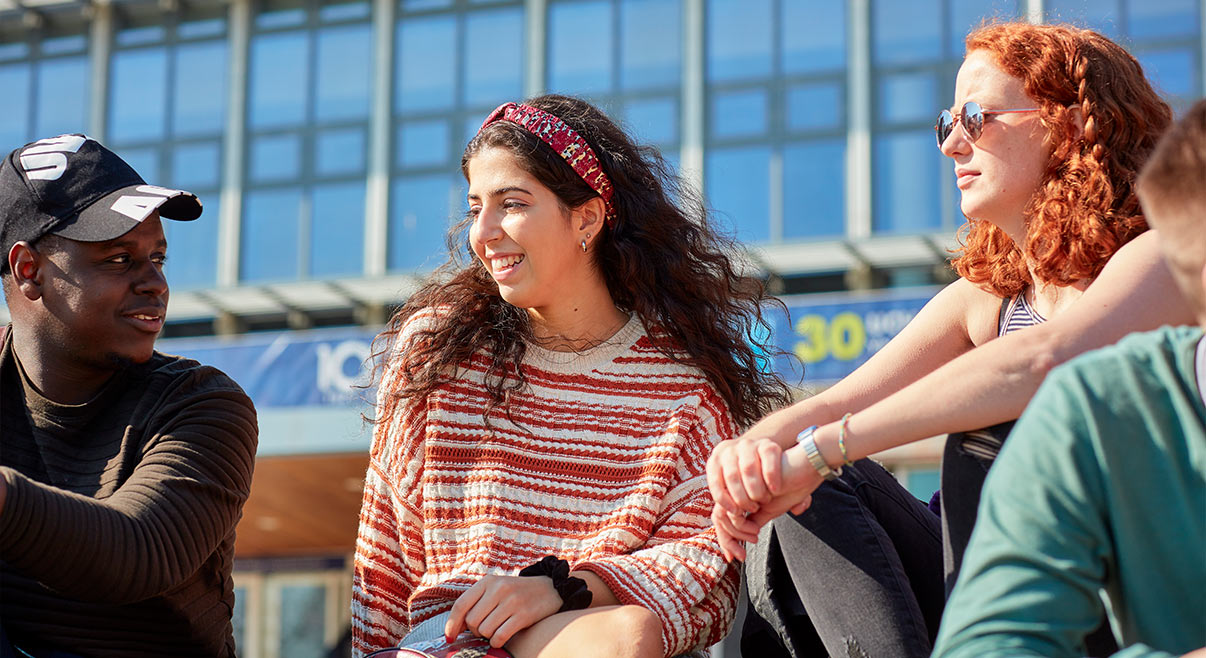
1174	179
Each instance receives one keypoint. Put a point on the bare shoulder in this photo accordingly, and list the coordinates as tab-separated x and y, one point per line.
977	308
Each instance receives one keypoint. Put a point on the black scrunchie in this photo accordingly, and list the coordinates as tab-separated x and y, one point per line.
574	593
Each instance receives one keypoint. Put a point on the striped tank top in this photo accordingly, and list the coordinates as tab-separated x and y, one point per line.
1016	314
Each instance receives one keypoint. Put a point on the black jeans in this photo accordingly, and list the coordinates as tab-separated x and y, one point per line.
858	574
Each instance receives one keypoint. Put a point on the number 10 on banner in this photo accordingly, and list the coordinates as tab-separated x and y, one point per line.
843	337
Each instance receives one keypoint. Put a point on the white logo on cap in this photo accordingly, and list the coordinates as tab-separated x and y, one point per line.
47	159
139	208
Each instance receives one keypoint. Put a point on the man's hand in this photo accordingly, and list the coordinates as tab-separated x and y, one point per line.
498	607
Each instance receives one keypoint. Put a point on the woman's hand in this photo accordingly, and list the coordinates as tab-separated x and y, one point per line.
794	481
498	607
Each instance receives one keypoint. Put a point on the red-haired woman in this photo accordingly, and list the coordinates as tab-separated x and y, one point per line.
1049	127
537	471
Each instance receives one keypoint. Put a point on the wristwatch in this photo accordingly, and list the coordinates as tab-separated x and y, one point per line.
814	455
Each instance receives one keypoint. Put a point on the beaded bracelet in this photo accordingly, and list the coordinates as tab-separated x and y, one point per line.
842	439
574	593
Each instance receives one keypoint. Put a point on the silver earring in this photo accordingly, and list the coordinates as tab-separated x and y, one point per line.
584	243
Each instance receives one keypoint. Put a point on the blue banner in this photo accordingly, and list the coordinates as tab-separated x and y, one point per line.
830	335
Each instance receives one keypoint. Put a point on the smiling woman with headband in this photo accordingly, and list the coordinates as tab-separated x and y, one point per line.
547	404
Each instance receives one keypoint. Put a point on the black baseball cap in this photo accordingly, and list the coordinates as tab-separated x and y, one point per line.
73	186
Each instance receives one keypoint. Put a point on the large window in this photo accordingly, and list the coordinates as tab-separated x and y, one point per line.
309	76
1165	36
626	57
166	115
916	48
45	75
776	117
453	63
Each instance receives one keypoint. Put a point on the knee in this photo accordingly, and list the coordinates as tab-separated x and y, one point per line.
643	638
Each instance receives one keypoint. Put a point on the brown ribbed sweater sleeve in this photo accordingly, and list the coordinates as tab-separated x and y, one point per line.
117	535
183	497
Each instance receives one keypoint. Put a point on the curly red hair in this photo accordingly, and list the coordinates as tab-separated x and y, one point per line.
1085	209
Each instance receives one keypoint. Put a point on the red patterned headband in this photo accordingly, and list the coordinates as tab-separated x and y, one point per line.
564	140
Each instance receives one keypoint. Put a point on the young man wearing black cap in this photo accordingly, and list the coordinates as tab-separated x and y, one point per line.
122	471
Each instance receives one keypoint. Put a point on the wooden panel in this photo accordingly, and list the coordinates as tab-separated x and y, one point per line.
302	505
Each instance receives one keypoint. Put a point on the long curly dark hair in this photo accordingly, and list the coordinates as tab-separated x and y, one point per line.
659	256
1085	209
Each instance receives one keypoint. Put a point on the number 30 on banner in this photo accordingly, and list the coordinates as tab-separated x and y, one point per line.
843	337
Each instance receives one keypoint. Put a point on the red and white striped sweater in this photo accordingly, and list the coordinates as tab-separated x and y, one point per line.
604	467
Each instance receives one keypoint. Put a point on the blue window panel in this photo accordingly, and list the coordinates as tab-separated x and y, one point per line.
674	161
339	152
494	52
275	158
144	160
922	483
738	186
1149	19
580	46
62	45
420	217
14	50
906	32
62	97
1099	16
199	96
344	66
472	125
238	620
814	189
337	230
1171	72
193	249
653	121
814	36
344	12
139	35
209	27
966	15
650	43
302	618
14	129
419	5
280	18
196	165
280	71
739	39
423	143
908	97
426	64
739	113
815	107
271	235
907	183
138	97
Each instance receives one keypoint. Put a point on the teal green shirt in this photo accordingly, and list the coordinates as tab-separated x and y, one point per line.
1100	485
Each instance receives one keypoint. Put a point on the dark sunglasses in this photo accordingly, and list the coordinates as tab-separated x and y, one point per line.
971	117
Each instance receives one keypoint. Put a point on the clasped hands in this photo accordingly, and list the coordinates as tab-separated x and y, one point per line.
753	480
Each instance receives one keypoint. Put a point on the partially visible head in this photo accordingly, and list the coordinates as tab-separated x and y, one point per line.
84	249
1100	119
1172	187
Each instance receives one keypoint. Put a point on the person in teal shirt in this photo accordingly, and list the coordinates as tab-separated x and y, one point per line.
1098	499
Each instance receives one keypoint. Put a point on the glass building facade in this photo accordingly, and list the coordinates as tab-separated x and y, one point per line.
324	138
